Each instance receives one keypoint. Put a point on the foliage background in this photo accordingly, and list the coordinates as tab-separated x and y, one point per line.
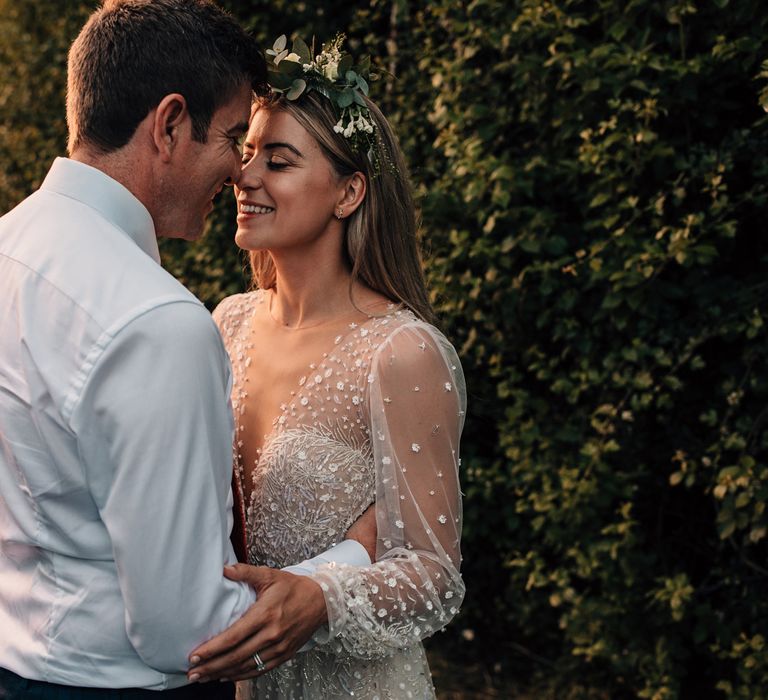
593	182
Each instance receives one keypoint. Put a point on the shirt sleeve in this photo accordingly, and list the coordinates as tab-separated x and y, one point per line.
417	401
155	438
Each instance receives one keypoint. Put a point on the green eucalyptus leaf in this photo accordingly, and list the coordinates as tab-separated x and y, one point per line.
302	50
291	68
346	98
297	88
358	98
279	80
350	76
362	84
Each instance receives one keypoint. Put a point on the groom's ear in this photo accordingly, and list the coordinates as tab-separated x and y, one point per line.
169	116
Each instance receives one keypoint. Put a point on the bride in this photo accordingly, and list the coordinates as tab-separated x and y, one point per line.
344	395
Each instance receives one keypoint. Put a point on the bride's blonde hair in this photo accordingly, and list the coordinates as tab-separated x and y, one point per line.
381	243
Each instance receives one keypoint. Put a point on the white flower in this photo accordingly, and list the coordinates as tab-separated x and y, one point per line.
400	524
382	613
415	447
442	519
293	57
331	69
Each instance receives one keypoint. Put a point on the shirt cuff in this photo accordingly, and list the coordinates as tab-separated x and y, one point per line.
348	552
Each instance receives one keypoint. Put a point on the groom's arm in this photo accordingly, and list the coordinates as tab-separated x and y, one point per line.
155	439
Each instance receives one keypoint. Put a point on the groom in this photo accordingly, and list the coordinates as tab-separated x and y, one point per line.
115	433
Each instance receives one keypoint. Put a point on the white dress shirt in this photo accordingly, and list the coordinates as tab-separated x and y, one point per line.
115	447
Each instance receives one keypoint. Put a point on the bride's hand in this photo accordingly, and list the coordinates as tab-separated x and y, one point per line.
288	610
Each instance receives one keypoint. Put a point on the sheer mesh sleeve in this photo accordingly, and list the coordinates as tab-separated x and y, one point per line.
417	400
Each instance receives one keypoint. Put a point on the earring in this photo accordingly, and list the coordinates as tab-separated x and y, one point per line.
340	214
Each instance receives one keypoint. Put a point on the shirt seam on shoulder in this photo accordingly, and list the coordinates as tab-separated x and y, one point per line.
105	338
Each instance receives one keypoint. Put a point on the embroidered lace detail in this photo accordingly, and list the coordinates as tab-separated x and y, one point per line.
310	485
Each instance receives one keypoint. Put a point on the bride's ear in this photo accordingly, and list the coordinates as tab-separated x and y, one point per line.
353	194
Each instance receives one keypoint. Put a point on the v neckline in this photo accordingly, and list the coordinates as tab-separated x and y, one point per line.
298	384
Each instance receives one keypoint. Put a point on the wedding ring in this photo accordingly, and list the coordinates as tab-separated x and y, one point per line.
260	665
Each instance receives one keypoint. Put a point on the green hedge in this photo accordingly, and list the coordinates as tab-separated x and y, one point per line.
593	184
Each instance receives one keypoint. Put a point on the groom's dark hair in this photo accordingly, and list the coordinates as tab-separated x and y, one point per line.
132	53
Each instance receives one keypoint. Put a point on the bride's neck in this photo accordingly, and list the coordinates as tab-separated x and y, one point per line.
307	293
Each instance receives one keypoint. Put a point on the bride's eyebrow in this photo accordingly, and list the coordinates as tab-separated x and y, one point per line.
283	144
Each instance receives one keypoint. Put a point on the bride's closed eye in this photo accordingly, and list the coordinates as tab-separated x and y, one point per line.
277	163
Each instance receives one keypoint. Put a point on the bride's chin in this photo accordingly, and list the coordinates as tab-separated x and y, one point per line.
244	240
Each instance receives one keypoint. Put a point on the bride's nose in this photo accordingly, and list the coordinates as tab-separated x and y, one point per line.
249	177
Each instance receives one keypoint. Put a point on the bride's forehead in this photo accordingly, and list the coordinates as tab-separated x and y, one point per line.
274	121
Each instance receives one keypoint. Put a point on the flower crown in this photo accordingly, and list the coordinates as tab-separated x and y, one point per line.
332	74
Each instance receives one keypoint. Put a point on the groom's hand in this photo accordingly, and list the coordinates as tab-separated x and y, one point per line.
363	530
287	612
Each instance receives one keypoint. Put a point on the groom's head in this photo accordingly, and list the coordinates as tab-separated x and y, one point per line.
132	53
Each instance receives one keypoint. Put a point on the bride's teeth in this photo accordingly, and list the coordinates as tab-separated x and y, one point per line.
251	209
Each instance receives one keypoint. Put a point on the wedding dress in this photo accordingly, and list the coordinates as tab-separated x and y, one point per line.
376	417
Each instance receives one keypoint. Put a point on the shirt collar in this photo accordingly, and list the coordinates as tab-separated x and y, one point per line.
112	200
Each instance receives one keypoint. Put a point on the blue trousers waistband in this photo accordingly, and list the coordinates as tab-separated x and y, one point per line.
14	687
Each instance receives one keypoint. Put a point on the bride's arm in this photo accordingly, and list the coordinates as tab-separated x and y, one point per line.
417	403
